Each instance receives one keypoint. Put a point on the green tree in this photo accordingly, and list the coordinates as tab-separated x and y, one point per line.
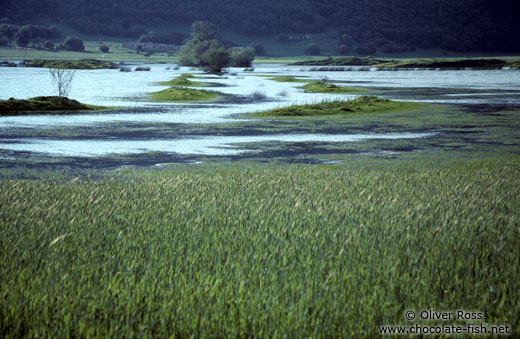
202	50
214	59
203	31
72	43
242	57
23	36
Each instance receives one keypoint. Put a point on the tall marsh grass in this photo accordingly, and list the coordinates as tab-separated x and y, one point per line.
294	251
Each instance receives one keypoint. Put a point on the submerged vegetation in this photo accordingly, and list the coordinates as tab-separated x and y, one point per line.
292	251
183	94
45	104
70	64
360	105
322	87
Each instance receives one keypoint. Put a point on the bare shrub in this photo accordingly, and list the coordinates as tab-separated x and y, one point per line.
62	80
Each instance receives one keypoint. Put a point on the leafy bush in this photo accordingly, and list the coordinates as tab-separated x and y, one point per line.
243	57
104	49
72	43
214	59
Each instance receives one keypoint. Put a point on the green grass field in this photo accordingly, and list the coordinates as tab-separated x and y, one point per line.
271	251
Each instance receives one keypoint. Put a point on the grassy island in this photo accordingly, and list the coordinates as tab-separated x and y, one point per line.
183	80
183	94
283	78
361	105
322	87
71	64
42	105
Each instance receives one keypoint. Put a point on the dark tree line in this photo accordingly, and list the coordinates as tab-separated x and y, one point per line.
465	25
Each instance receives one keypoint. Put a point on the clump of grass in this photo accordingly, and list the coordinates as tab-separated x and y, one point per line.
258	95
71	64
291	251
183	81
283	93
44	104
183	94
360	105
322	87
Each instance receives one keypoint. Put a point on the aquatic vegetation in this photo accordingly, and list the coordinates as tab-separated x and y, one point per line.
360	105
262	251
322	87
183	94
48	104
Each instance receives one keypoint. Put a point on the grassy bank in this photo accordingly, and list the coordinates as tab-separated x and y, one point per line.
447	63
442	63
361	105
183	94
71	64
42	105
267	252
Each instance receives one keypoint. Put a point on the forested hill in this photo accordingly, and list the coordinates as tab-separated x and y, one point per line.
465	25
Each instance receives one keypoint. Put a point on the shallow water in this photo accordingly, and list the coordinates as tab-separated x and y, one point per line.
245	92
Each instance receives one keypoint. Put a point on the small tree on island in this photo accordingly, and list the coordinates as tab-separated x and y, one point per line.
202	50
62	80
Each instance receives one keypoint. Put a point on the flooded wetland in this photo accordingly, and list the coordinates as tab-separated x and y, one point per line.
463	113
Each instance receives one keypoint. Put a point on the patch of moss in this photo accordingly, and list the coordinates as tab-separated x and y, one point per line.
183	94
49	104
361	105
321	87
183	80
71	64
